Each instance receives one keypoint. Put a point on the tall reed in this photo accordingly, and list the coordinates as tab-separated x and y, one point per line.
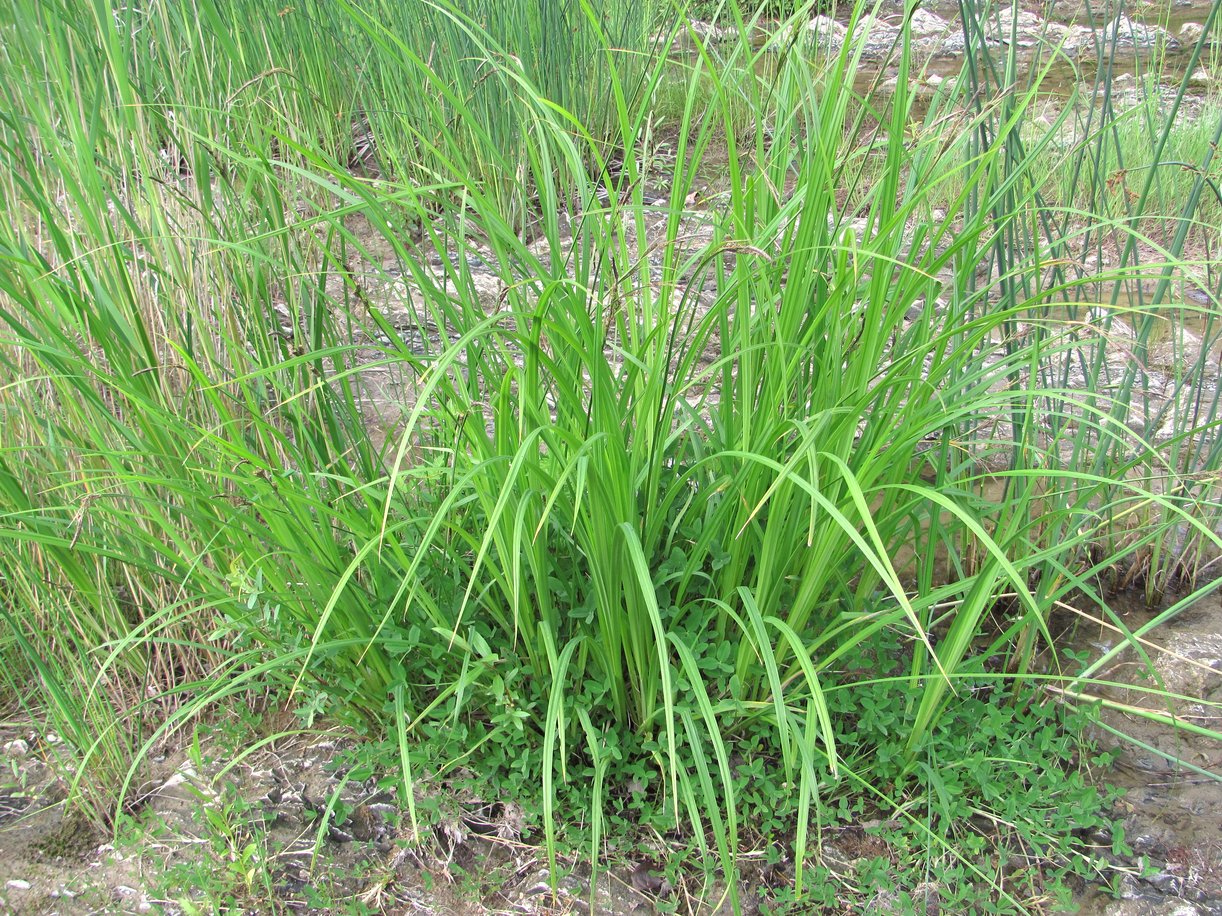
655	488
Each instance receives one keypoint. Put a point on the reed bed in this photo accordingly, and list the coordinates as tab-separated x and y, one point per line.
695	454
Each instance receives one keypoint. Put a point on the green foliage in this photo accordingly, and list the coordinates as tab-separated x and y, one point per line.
748	9
645	504
234	866
1004	784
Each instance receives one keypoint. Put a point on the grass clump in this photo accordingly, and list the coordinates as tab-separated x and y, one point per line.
655	476
767	9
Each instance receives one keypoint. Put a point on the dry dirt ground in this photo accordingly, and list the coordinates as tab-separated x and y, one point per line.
238	823
279	830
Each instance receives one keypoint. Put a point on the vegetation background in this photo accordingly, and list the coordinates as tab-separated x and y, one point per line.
750	504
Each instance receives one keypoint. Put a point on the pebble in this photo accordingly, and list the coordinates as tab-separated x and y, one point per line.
18	884
1191	32
1129	889
1148	907
1200	77
1166	882
17	748
185	785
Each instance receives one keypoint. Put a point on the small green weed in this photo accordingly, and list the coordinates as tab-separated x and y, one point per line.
1001	787
237	866
231	872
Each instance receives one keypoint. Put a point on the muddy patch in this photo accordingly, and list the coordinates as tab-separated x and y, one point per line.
52	860
1172	810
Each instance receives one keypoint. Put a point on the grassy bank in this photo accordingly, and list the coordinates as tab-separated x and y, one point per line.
628	539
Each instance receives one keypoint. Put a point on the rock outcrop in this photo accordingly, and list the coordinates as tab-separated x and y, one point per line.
930	35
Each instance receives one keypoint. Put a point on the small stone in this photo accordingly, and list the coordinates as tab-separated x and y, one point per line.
1024	28
1130	889
712	34
827	33
926	25
876	36
1147	905
1124	32
1196	296
53	738
1166	882
1200	77
18	884
1191	33
17	748
363	823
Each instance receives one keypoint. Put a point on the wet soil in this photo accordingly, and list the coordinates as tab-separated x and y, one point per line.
1172	809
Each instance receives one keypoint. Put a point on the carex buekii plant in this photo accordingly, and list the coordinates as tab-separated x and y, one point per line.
680	448
148	385
164	285
656	461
